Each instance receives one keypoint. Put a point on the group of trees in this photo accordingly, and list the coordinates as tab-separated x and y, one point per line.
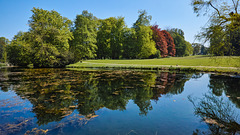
115	40
223	30
199	49
164	42
183	47
55	41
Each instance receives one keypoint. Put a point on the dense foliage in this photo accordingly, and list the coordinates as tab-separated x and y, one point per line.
129	47
3	49
110	37
83	46
163	41
20	51
183	47
170	43
160	41
116	41
144	43
46	44
50	34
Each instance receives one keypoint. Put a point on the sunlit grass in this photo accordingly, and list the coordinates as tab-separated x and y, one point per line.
202	63
2	64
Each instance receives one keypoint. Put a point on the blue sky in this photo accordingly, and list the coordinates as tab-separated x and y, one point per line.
15	14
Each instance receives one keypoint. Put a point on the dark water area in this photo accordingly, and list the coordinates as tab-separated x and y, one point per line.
69	102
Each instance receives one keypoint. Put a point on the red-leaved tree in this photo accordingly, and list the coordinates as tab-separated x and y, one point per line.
170	43
160	40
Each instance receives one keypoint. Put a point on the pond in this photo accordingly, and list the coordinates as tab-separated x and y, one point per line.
113	102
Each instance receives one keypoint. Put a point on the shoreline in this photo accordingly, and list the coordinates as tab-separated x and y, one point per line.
211	69
199	63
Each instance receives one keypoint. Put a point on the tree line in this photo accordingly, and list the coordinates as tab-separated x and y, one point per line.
55	41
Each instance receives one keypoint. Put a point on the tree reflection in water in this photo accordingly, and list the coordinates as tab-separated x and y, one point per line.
56	93
229	85
218	113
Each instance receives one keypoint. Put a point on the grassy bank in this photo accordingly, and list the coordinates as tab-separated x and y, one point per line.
191	63
2	64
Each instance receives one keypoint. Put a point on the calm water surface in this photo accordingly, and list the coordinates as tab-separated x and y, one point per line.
62	101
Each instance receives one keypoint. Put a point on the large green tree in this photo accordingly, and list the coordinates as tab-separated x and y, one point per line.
84	43
50	33
4	42
145	45
224	26
110	37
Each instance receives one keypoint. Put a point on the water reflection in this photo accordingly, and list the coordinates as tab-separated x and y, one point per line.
216	107
74	98
228	85
169	83
218	113
56	93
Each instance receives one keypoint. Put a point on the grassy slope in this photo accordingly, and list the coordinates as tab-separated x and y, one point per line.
2	64
202	63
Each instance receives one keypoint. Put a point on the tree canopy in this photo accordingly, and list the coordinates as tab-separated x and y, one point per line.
163	41
160	40
183	47
50	33
20	51
110	37
46	44
224	26
84	44
4	42
145	44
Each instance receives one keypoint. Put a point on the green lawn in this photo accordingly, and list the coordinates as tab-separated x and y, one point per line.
202	63
2	64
